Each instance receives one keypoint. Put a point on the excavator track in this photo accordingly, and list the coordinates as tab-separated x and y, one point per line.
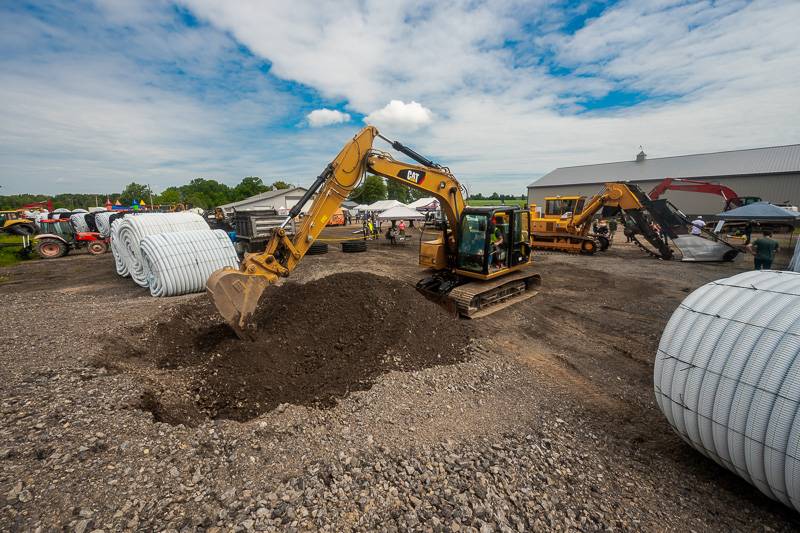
476	299
644	248
651	236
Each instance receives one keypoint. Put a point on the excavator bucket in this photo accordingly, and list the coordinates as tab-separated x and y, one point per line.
236	296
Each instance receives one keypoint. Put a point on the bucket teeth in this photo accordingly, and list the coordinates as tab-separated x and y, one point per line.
236	296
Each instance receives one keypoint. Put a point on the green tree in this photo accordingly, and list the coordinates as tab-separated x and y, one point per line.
135	192
398	191
206	193
249	186
372	190
171	195
281	185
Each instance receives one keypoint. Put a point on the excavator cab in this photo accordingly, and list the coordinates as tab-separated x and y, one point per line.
492	240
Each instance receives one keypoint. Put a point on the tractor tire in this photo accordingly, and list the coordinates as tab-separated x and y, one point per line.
604	243
351	247
22	229
97	248
588	247
317	248
51	248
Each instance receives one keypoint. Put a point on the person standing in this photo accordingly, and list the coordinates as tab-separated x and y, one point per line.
764	251
402	227
748	232
630	230
697	225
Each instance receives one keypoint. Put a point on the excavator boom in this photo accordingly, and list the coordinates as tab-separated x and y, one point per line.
236	293
475	276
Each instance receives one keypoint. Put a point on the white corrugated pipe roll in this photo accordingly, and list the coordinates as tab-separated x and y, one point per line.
78	221
180	263
130	230
727	377
116	251
103	225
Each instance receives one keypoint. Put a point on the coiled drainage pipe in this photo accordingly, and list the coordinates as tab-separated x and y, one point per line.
103	223
116	249
180	263
78	221
727	377
131	230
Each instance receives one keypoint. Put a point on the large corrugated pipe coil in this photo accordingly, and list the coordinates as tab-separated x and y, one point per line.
103	223
78	221
727	377
180	263
129	231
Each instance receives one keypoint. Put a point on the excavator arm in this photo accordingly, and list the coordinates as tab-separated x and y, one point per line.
236	293
682	184
612	195
634	203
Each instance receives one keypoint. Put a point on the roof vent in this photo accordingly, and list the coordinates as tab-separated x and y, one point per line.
641	156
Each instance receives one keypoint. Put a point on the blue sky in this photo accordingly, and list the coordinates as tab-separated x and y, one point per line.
96	93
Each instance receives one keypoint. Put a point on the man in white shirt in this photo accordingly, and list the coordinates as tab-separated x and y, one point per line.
697	225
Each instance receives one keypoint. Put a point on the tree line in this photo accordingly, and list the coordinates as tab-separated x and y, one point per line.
375	188
210	193
199	192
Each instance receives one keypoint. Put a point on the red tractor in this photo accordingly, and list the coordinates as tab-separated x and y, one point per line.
58	238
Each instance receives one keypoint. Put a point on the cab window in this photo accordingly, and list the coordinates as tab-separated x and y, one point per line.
557	207
472	243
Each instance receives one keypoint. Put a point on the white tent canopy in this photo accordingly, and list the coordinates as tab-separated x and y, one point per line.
425	204
401	212
383	205
360	208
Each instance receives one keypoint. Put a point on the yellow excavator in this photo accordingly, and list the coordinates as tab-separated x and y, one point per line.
565	221
479	263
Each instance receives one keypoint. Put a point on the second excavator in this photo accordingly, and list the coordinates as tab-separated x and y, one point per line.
480	263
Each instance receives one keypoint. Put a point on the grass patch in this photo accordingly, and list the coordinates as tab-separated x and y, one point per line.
10	255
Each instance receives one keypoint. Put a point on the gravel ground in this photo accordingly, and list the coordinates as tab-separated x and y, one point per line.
547	424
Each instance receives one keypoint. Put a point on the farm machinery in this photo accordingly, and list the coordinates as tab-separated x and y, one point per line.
58	237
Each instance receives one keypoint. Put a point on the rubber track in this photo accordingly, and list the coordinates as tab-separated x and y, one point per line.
464	295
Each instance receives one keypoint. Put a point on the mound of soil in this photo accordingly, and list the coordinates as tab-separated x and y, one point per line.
315	343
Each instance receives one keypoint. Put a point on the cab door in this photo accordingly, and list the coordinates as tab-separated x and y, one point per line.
520	234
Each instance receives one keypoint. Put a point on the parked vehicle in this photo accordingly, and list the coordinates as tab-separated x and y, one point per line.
14	222
58	238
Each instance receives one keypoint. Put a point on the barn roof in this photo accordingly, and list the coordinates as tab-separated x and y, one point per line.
769	160
264	196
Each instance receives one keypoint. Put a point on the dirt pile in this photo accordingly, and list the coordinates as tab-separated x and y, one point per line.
315	343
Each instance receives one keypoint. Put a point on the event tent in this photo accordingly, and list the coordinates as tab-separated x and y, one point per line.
759	211
401	212
383	205
425	204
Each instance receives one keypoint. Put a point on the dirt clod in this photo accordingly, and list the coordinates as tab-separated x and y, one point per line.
316	342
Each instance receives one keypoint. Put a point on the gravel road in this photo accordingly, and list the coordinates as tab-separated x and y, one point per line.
545	420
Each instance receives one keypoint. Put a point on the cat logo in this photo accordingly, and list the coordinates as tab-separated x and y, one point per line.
414	176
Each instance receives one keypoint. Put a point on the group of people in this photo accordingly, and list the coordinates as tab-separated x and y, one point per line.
371	227
763	249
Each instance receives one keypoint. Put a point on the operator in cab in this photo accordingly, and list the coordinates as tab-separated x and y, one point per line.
497	243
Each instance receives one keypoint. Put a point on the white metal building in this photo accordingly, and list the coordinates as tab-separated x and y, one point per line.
773	173
281	200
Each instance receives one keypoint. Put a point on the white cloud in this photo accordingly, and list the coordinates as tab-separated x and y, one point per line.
724	76
326	117
400	115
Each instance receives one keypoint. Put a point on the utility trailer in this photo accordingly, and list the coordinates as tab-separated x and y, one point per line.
254	228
